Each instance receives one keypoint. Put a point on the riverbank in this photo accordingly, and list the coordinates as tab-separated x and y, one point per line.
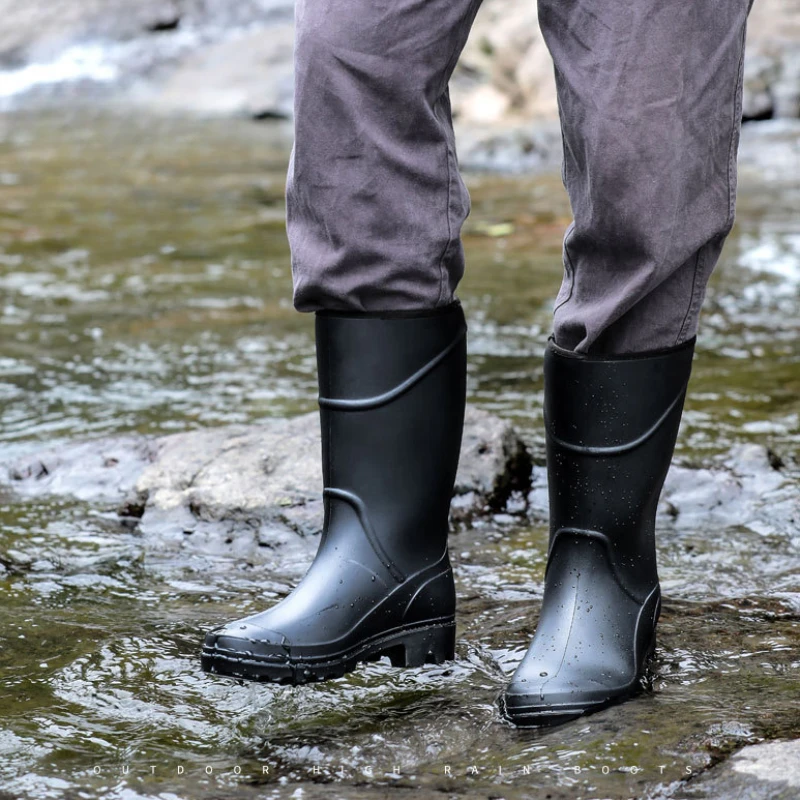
209	57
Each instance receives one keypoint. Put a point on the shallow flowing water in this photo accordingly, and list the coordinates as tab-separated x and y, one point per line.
145	286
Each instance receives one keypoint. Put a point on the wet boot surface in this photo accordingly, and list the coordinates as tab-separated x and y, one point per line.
392	393
611	425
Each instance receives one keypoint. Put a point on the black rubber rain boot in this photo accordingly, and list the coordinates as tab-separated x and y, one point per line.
392	393
611	423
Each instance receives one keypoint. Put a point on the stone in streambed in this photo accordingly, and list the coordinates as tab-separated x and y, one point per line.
248	488
768	771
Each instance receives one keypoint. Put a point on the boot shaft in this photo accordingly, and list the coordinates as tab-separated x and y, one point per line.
392	395
611	424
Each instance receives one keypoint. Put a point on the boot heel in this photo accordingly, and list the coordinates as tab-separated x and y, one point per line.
426	646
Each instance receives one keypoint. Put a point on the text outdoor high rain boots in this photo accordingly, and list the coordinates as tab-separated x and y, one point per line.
611	423
392	395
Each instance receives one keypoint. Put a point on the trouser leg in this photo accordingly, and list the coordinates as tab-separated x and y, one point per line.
650	103
375	202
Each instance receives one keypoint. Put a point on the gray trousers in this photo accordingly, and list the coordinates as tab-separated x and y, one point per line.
649	98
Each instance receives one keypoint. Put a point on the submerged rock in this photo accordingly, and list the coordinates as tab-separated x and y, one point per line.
751	486
247	487
101	471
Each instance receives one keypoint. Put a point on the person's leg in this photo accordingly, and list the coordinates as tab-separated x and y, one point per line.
650	103
374	209
375	201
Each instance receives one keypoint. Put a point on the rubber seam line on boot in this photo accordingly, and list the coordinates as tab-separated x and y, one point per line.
366	403
564	654
366	569
617	448
357	504
636	664
655	590
601	537
425	583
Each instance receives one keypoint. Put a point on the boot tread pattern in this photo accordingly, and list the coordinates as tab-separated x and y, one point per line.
410	647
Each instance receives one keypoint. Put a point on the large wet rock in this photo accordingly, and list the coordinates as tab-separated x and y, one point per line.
247	487
769	771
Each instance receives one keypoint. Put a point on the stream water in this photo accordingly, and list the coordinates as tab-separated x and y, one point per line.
144	286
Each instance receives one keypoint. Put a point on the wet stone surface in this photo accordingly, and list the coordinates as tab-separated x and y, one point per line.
771	769
243	491
145	283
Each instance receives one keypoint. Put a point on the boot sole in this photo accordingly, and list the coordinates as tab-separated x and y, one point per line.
409	647
547	716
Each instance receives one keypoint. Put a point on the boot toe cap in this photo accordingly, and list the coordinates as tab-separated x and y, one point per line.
247	639
546	700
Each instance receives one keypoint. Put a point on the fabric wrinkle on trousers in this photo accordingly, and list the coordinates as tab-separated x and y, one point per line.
649	95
